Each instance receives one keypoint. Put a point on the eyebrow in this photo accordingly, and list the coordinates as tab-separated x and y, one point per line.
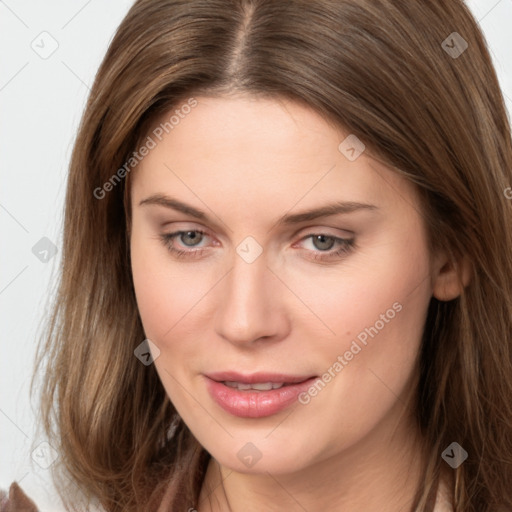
336	208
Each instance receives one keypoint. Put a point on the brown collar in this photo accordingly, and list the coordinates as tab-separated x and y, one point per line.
17	501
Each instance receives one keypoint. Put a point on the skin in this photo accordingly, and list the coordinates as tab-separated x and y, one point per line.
246	162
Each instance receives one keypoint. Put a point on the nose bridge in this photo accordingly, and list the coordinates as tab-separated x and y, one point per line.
247	286
249	303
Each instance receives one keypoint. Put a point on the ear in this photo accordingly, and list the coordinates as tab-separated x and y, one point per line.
450	277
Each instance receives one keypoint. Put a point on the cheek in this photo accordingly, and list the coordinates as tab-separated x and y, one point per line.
165	291
360	298
378	316
375	309
168	296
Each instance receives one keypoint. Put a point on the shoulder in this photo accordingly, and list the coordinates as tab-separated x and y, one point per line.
16	500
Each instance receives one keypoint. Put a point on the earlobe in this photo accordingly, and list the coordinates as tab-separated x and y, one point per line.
451	278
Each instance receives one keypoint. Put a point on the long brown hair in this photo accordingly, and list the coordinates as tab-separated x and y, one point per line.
424	100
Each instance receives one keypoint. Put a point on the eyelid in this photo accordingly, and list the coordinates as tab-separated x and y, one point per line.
171	227
324	230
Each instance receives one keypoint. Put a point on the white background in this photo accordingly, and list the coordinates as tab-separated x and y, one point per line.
41	102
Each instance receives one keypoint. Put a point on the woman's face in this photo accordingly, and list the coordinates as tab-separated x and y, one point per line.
301	262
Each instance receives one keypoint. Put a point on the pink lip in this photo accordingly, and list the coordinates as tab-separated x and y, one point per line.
255	404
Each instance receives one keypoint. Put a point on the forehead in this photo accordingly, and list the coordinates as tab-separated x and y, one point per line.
234	125
244	151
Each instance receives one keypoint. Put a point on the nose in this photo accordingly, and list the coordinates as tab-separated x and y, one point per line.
251	305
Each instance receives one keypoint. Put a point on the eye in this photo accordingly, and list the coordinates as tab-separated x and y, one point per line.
190	238
323	244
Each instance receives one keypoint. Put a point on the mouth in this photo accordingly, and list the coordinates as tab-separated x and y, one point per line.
256	395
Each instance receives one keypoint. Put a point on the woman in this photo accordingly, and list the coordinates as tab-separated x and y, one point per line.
287	263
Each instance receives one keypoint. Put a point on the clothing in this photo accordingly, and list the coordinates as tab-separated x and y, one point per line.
443	502
18	501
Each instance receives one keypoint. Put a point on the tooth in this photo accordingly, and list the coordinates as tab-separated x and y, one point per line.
260	386
263	386
237	385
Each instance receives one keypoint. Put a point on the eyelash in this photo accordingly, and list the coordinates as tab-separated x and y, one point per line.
347	246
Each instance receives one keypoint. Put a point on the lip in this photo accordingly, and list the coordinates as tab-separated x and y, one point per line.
256	404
